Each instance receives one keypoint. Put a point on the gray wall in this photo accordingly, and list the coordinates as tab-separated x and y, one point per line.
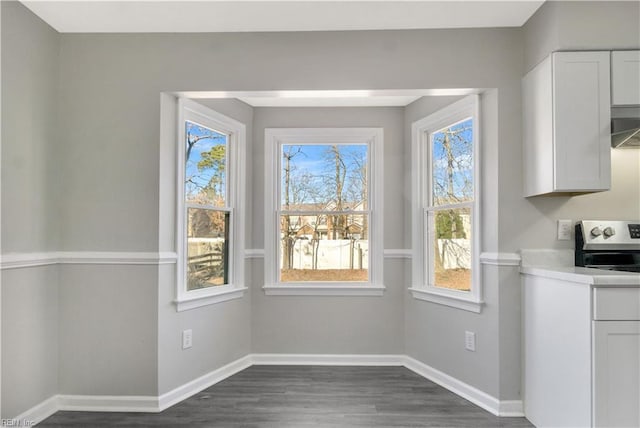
333	325
29	116
29	216
29	338
108	330
581	25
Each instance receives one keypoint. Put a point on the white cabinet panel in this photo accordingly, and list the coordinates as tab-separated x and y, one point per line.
616	304
625	78
616	390
567	129
557	348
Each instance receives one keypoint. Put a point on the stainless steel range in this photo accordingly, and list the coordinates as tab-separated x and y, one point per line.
611	245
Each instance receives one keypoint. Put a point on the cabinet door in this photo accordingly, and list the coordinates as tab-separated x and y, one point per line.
616	367
582	121
625	78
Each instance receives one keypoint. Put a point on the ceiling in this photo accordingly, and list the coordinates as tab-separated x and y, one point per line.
92	16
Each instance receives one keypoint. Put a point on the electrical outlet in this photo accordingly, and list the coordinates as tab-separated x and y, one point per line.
470	341
187	339
564	230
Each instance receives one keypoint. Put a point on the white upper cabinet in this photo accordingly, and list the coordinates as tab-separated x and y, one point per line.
567	124
625	78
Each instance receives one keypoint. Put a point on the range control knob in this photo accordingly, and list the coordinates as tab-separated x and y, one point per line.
608	231
596	232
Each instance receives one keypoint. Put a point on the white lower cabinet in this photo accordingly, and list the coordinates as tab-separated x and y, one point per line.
616	369
581	354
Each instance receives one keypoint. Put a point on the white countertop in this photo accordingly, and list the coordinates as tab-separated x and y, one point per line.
595	277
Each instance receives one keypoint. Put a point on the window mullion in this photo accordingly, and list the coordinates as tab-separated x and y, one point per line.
469	204
208	207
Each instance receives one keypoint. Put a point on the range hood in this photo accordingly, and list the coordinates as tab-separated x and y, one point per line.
625	127
625	132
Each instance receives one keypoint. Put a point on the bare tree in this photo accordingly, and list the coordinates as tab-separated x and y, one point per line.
452	183
288	228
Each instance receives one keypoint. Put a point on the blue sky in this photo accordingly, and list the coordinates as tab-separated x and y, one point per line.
462	151
315	161
201	178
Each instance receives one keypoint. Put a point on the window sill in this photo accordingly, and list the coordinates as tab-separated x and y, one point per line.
210	299
446	299
323	290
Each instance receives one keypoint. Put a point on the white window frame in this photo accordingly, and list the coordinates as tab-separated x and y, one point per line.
236	153
275	138
421	142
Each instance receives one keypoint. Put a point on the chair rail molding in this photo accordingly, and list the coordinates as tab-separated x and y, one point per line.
500	259
27	260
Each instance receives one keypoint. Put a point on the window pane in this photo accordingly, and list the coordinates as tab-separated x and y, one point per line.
452	164
207	248
451	248
206	166
323	247
324	177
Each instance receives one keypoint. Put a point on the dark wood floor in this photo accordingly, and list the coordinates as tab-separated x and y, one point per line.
308	396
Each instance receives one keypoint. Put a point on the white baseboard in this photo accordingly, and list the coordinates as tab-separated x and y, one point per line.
466	391
327	359
512	408
152	404
203	382
37	413
108	403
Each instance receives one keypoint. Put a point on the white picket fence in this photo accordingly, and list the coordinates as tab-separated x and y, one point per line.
331	254
346	254
456	253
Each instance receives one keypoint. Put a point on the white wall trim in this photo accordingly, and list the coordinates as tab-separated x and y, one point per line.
254	253
433	295
397	253
37	413
203	382
324	289
210	299
108	403
116	258
328	359
500	259
152	404
464	390
26	260
511	409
